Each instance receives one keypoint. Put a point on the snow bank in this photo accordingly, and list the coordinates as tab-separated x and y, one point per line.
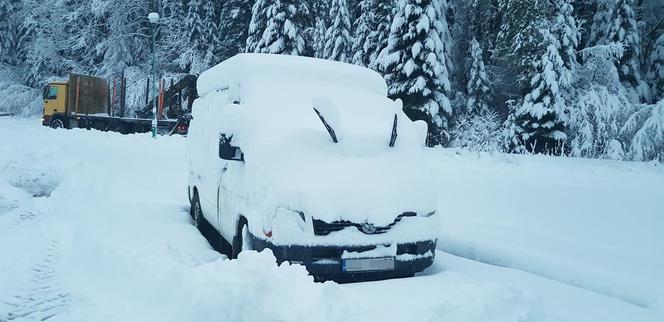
595	224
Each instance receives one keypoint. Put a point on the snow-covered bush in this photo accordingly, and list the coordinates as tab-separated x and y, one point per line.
477	132
595	122
646	129
17	99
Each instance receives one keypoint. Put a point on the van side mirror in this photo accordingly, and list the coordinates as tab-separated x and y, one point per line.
45	92
227	151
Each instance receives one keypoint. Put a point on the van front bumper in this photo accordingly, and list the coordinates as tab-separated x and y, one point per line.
326	263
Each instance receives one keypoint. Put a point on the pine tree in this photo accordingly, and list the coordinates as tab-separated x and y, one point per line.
210	33
318	39
372	29
564	28
284	31
656	68
478	83
257	24
192	59
484	22
337	38
363	27
234	21
600	23
12	33
623	29
172	42
540	120
415	65
584	10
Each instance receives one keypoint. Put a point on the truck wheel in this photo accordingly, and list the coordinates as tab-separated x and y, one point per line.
242	239
57	124
197	212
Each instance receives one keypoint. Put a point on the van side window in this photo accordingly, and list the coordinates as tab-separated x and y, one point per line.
52	93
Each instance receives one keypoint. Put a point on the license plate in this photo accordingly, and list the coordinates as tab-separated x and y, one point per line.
368	264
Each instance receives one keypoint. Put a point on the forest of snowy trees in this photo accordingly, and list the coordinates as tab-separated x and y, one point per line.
581	78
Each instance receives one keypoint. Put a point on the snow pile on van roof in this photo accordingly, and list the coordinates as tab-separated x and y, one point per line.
242	68
267	103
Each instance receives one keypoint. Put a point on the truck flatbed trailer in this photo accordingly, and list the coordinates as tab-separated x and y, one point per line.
83	102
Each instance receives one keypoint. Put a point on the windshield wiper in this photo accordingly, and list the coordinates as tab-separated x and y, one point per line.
393	139
330	130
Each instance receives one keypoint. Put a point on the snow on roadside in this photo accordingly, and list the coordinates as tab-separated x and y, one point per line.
120	246
595	224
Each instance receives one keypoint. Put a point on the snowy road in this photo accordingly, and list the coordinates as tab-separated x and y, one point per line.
94	227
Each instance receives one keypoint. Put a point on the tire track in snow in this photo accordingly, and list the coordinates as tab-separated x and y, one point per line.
18	216
472	253
42	299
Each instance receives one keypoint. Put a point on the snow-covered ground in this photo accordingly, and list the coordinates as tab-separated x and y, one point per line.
94	227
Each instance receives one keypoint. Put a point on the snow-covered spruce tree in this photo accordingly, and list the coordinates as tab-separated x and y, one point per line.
484	22
171	41
478	82
517	46
284	31
46	43
362	31
372	29
10	26
318	38
234	21
211	32
623	29
646	129
415	66
338	40
655	74
257	24
600	23
584	11
540	120
120	45
195	33
564	28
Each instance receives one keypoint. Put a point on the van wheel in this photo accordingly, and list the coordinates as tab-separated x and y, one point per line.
197	212
242	240
57	124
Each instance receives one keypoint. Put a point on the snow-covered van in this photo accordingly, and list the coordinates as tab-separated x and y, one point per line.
311	159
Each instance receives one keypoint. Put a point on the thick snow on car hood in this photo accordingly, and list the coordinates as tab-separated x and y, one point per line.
292	162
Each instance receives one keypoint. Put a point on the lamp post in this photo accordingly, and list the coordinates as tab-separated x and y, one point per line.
154	19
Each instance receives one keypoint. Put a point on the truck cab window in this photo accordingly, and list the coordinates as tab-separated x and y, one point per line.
52	93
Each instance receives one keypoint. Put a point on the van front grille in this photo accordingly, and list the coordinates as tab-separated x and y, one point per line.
322	228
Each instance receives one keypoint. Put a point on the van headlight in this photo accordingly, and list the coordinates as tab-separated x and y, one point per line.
289	224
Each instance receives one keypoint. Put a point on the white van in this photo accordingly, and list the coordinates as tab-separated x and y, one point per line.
311	159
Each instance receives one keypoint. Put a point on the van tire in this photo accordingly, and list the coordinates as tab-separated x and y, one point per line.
242	239
196	212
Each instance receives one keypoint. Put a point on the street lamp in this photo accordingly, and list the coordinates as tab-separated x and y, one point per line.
154	19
